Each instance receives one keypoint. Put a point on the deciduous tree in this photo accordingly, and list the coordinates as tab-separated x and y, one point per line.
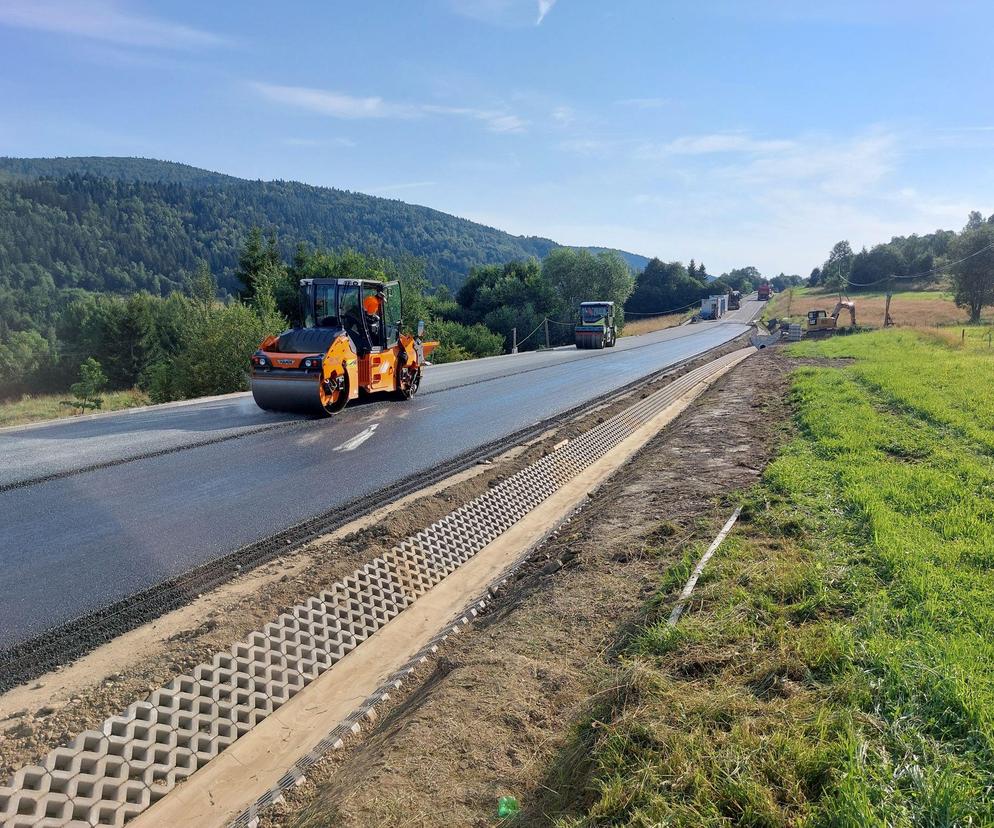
835	272
972	271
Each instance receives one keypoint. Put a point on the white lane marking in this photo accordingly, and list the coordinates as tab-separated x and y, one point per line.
359	439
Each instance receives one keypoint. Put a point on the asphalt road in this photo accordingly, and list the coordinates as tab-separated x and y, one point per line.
228	473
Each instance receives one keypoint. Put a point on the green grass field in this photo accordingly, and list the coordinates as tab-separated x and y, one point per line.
35	408
838	666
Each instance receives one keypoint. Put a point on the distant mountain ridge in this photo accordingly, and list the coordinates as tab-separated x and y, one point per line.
123	224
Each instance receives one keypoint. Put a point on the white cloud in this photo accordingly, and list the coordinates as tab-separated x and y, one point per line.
335	104
502	123
103	20
340	105
778	202
719	142
563	115
495	120
845	168
840	167
544	7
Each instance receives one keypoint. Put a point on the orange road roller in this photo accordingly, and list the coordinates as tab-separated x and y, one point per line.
350	343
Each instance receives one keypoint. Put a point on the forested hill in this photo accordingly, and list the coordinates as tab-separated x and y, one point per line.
125	224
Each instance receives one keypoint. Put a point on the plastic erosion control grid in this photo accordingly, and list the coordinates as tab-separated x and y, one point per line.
109	775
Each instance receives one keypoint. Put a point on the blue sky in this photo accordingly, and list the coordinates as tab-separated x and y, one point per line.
731	132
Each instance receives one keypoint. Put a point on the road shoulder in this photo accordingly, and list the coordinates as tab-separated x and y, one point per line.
499	704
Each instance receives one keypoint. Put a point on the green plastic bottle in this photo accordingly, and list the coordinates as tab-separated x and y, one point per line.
507	806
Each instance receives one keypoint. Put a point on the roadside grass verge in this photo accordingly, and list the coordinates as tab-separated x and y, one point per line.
36	408
639	326
836	666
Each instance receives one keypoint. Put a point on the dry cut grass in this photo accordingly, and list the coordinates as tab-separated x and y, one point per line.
652	323
914	309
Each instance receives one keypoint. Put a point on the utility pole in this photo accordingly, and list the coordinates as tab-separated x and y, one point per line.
514	340
547	333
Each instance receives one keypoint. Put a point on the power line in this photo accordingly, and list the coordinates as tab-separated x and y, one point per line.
521	341
983	249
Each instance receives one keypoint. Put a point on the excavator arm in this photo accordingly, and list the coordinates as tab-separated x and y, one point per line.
841	306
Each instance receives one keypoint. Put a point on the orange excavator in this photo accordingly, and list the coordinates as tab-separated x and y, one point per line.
350	343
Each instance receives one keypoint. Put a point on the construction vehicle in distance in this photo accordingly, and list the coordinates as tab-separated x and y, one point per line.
596	328
349	343
763	291
734	300
821	322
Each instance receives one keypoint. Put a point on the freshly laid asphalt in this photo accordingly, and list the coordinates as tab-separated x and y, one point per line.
114	520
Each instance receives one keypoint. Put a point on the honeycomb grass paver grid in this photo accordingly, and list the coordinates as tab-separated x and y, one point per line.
108	776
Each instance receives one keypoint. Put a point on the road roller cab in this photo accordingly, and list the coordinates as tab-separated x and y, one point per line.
596	328
350	342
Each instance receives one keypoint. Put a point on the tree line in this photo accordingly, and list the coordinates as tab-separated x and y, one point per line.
196	340
670	287
964	261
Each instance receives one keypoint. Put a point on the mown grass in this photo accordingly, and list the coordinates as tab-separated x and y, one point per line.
837	666
35	408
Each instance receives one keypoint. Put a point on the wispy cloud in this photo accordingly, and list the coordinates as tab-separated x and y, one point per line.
840	167
843	169
335	104
340	105
103	20
495	120
563	115
644	103
544	7
504	12
709	144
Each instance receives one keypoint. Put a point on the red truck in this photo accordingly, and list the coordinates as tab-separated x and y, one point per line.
764	292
